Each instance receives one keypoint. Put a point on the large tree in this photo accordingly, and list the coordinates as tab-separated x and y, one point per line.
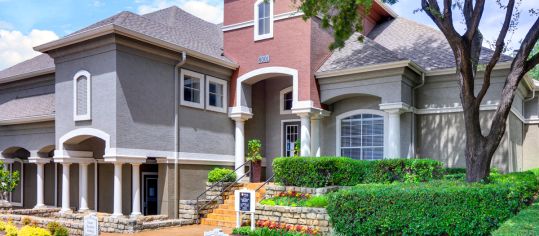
344	17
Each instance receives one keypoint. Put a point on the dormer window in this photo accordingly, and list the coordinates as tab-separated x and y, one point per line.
82	91
263	19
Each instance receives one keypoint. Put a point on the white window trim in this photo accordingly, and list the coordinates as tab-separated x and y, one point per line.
88	115
282	133
357	112
281	101
224	83
270	34
199	105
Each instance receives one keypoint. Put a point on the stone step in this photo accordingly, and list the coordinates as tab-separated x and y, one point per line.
225	211
225	217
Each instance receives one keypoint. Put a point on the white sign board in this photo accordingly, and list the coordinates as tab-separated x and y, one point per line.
245	200
91	225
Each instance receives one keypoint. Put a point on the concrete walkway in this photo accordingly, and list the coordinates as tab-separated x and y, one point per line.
189	230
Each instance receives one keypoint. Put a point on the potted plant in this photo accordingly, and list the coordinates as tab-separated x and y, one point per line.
254	148
8	182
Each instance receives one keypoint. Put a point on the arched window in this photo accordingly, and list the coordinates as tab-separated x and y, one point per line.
286	100
263	19
361	134
82	96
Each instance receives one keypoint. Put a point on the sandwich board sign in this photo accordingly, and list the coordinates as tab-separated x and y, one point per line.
245	202
91	225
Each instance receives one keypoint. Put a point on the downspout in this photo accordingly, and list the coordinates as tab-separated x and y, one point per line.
413	113
183	58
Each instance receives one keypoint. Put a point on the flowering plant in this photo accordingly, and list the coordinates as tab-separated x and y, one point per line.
288	227
294	194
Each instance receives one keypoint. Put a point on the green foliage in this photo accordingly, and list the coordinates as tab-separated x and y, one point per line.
57	229
317	201
525	222
8	181
534	73
297	147
450	171
254	149
438	207
224	174
318	172
246	230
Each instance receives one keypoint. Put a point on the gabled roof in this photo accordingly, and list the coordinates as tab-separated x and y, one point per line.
171	25
39	65
357	54
36	108
420	43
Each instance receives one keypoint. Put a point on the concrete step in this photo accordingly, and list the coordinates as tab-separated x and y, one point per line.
224	211
224	217
220	223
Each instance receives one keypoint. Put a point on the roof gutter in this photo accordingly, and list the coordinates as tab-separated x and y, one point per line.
383	66
27	75
26	120
110	29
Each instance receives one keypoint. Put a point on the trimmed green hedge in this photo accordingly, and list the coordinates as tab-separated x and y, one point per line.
328	171
524	223
221	174
438	207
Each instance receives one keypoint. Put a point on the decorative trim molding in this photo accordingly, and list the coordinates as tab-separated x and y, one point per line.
201	94
249	23
268	35
368	68
28	119
224	83
356	112
281	101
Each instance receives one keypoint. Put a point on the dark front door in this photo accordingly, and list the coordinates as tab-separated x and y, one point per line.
291	133
150	195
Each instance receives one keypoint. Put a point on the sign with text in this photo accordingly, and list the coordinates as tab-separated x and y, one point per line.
245	200
91	225
263	59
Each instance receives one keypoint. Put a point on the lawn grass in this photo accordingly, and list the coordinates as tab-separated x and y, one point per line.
525	222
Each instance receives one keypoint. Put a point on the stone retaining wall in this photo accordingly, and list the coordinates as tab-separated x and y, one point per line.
273	190
188	210
74	221
305	216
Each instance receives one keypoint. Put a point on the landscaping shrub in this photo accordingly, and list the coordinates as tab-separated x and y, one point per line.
218	174
57	229
33	231
525	223
318	172
438	207
317	201
246	230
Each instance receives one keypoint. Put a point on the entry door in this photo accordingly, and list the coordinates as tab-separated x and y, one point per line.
150	195
291	133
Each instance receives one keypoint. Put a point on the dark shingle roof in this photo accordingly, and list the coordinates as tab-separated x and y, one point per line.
420	43
172	25
39	63
357	54
20	108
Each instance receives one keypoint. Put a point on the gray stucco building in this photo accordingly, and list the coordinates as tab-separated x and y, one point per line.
128	115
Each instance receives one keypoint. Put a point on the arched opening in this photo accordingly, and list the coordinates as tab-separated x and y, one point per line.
269	95
15	159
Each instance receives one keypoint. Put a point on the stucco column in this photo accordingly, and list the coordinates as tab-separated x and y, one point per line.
240	147
40	202
136	190
394	133
83	187
305	134
65	187
117	189
315	136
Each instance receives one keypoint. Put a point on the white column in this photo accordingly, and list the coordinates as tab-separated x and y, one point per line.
65	187
240	147
40	185
394	134
315	136
136	190
83	187
305	134
117	189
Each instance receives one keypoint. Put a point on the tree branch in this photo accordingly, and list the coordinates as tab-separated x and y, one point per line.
473	17
500	44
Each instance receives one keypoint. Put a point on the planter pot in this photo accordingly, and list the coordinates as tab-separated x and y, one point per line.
256	173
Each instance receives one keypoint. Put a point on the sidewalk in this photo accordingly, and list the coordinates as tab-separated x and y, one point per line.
189	230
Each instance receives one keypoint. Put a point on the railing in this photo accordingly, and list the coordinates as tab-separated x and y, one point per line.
220	183
265	182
